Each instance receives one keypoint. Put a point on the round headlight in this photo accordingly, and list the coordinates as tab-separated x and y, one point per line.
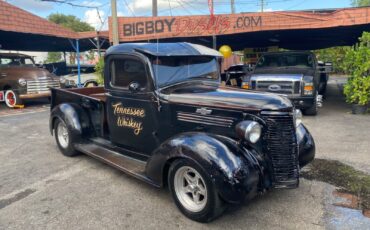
22	82
62	80
249	130
298	117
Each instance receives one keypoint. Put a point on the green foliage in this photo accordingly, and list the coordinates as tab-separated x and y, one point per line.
357	90
336	55
70	22
54	57
357	61
361	2
99	70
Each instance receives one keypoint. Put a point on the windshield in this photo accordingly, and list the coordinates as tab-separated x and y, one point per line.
16	61
172	70
285	60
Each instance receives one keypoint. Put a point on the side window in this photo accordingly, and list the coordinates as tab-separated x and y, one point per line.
125	71
5	61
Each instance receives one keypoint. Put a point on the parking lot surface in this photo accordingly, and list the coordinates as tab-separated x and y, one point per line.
41	189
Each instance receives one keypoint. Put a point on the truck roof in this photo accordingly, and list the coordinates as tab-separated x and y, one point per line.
164	49
13	55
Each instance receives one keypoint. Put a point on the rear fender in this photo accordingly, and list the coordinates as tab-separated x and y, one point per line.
234	174
73	115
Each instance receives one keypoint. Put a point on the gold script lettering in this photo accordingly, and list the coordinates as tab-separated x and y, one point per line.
120	110
128	122
125	117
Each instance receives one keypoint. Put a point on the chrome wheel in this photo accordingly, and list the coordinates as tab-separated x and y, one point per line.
190	189
62	134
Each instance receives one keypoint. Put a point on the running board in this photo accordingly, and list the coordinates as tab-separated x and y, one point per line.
123	163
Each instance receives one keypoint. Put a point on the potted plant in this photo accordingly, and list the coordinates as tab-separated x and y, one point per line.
357	92
357	62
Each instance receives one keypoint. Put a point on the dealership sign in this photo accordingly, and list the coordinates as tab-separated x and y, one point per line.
147	28
143	28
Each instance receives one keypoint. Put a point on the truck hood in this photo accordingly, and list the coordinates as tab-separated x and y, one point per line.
30	73
225	97
284	71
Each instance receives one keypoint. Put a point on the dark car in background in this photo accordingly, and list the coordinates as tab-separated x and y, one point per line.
234	74
296	74
21	79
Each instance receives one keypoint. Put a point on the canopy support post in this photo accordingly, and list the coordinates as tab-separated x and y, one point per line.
78	63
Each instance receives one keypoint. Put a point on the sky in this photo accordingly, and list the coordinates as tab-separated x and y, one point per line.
166	7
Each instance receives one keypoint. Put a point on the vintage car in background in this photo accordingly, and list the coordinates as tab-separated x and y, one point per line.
21	79
296	74
234	74
87	75
164	117
69	74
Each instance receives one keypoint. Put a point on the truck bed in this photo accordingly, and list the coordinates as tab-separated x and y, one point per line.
92	100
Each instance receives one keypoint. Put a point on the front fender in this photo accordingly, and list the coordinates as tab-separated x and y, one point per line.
73	115
306	145
234	174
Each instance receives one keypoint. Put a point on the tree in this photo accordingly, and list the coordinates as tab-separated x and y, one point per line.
357	89
335	55
54	57
70	22
360	2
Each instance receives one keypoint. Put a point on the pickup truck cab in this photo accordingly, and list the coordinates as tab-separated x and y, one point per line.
296	74
164	118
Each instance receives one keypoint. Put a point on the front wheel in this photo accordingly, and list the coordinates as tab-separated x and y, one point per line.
312	111
12	99
64	139
193	191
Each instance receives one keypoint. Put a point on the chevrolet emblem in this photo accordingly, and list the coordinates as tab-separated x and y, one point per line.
204	111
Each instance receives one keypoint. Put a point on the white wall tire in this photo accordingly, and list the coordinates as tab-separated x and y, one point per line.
12	99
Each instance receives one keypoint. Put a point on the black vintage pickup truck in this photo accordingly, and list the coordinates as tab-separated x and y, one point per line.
164	118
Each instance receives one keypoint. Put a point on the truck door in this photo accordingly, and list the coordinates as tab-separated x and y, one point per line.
131	106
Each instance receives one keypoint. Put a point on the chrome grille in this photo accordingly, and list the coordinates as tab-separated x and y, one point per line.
281	146
205	119
286	87
41	85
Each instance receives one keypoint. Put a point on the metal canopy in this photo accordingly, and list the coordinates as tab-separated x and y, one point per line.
300	39
36	42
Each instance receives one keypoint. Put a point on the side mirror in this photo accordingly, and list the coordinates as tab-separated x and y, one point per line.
134	86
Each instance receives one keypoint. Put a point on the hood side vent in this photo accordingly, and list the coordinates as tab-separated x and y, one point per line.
220	121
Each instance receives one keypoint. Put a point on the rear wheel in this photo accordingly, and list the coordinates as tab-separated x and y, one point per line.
12	99
193	191
64	139
91	84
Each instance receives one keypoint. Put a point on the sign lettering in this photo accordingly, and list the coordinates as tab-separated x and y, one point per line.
128	117
188	26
